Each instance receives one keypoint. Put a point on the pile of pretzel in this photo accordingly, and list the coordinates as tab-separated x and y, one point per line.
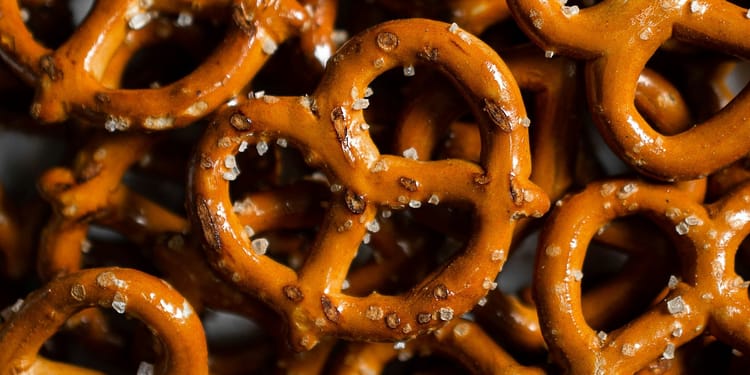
352	177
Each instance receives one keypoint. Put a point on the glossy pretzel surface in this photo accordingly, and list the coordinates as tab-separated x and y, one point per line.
372	209
618	39
330	132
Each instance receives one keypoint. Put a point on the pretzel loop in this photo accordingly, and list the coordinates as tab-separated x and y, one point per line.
708	297
620	48
140	295
69	79
326	126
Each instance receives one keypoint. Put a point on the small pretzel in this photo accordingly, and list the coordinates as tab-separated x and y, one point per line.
68	79
327	126
618	48
710	295
127	291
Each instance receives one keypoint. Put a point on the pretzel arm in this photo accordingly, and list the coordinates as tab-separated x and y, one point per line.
291	207
728	325
317	41
136	216
730	38
19	49
426	119
515	322
477	15
662	103
548	26
338	241
88	192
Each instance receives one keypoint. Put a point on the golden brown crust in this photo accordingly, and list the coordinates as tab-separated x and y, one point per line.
707	293
329	132
618	48
127	291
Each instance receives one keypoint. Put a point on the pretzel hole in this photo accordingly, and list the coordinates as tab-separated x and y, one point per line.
514	280
105	247
503	35
424	361
707	81
288	72
742	260
583	3
226	330
405	244
280	200
173	53
78	343
50	22
391	95
433	120
154	175
627	266
518	269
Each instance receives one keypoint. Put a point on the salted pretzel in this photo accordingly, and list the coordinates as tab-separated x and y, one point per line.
327	126
618	48
126	291
69	79
705	295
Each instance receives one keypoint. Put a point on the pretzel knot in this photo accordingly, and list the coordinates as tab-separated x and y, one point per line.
330	128
127	291
707	295
618	48
69	79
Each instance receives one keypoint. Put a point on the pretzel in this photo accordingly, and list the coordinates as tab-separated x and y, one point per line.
331	135
127	291
68	80
617	49
709	296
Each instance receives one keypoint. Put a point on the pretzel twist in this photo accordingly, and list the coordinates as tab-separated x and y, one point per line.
69	79
618	49
137	294
710	295
329	132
